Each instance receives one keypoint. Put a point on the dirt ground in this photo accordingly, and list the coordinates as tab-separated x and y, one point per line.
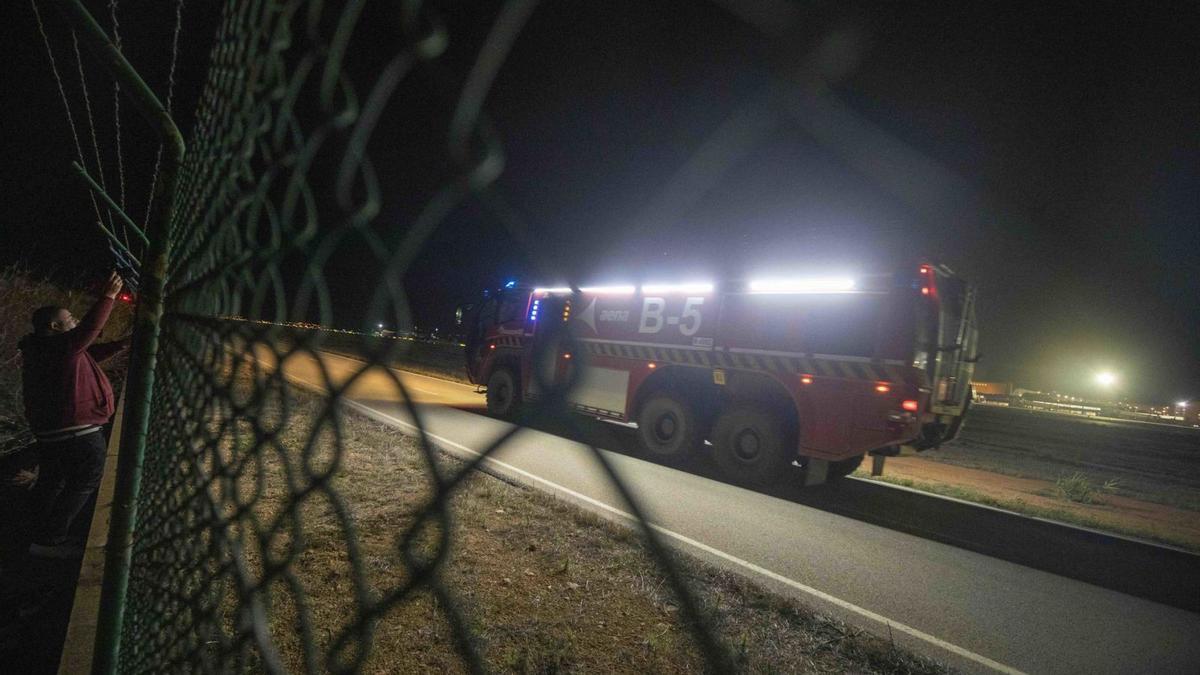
1114	512
540	585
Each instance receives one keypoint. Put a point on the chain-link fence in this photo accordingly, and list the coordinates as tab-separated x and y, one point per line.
275	187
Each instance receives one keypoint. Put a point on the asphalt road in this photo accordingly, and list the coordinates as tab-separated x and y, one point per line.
971	611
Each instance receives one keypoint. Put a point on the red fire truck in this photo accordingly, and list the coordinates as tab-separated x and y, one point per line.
816	371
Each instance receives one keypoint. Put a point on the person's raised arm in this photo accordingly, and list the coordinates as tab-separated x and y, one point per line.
83	335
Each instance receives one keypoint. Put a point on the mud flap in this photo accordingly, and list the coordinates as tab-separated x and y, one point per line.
877	464
816	471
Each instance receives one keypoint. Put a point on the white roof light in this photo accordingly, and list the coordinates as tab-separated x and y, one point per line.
810	285
704	287
608	289
561	289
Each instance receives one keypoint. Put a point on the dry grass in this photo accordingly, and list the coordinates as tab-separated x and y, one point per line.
1063	515
543	586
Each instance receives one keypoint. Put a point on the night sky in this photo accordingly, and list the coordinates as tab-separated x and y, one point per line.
1052	155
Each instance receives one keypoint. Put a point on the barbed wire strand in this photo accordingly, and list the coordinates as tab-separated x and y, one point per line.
87	106
169	102
62	92
116	38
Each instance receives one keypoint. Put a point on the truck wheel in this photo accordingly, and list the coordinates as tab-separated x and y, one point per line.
751	447
668	428
844	467
503	394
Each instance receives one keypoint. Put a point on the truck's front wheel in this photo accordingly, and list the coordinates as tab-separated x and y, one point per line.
751	446
503	394
668	428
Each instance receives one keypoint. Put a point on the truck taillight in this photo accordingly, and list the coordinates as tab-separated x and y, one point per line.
910	405
806	379
883	387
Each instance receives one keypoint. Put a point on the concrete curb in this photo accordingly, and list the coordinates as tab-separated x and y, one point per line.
79	641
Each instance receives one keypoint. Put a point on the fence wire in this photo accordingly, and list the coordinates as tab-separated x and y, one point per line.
276	183
212	561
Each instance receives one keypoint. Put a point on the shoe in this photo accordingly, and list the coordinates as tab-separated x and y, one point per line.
65	550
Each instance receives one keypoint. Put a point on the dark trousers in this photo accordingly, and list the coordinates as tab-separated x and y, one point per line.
68	476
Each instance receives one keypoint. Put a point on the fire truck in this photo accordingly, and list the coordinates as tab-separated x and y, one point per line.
814	372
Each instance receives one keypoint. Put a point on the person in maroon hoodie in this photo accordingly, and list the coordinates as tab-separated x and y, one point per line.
68	400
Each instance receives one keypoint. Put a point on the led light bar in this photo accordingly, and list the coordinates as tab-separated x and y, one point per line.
812	285
678	288
561	289
608	289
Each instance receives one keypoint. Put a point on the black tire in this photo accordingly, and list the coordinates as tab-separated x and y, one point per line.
668	429
504	393
752	446
844	467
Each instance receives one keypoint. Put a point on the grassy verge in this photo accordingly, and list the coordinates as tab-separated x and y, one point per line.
542	585
1023	507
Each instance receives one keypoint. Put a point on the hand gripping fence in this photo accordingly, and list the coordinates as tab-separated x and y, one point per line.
196	563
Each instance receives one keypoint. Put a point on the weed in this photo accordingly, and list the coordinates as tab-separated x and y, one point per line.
1023	507
1079	488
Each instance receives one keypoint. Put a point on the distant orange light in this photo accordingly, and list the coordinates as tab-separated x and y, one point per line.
566	356
806	379
652	366
492	347
924	269
910	405
882	388
924	290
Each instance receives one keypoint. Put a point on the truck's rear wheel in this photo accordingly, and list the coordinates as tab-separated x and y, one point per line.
503	393
668	428
751	446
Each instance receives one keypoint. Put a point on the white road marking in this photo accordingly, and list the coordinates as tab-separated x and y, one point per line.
688	541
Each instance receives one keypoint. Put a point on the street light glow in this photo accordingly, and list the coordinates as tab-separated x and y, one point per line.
1182	404
1106	379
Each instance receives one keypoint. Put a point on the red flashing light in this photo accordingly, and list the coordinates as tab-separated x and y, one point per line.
125	297
883	388
806	379
910	405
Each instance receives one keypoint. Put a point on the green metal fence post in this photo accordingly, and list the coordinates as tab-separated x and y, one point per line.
140	383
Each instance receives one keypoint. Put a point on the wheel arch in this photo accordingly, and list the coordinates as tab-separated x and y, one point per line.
749	387
692	384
